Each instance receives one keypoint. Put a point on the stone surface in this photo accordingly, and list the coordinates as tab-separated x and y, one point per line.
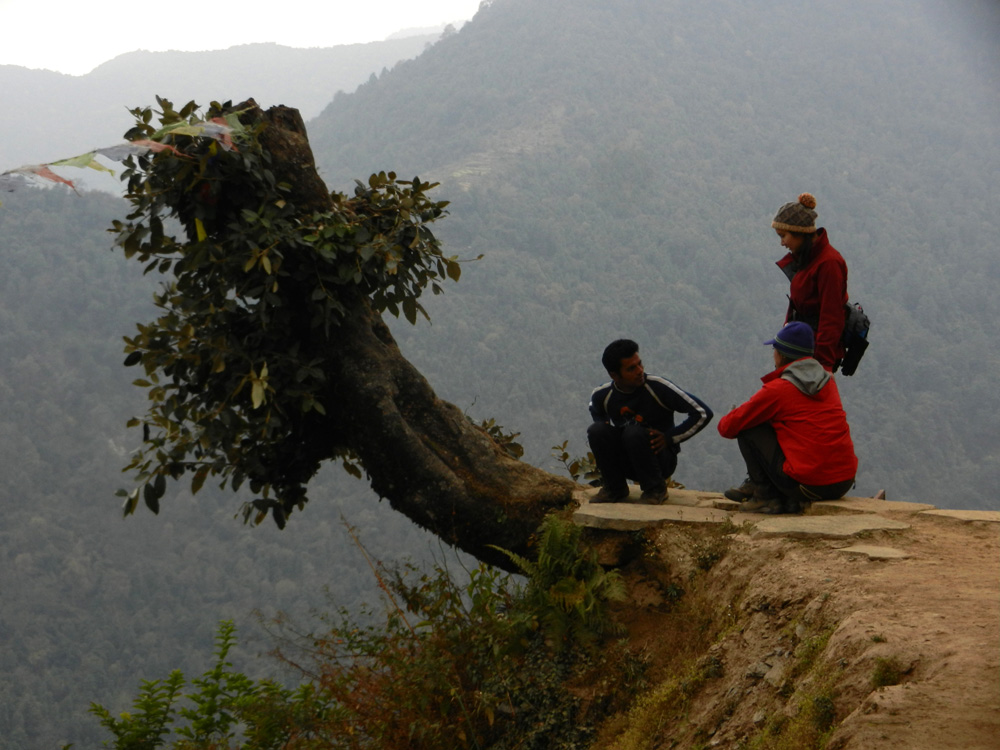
631	517
692	498
874	552
723	503
675	496
775	676
839	518
832	507
991	516
830	527
828	518
865	505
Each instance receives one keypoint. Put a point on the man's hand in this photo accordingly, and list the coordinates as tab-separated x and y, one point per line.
657	440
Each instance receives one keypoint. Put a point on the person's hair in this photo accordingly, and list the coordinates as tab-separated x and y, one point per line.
805	249
615	352
785	359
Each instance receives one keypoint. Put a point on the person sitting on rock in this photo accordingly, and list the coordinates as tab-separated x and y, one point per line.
793	432
633	435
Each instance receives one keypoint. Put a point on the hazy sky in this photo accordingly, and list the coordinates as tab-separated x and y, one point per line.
76	36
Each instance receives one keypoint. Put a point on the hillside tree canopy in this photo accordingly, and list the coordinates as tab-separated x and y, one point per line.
270	355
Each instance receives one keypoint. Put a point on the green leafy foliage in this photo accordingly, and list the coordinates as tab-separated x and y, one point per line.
506	440
222	709
238	362
148	723
456	665
581	468
468	666
568	588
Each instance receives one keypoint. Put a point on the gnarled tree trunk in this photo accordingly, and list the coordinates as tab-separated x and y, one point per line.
421	453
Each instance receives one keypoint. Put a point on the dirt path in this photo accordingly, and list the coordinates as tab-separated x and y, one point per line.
939	613
907	623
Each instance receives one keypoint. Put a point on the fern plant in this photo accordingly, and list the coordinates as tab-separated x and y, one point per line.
568	589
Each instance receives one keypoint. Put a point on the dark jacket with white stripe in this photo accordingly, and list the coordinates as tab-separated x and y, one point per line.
654	405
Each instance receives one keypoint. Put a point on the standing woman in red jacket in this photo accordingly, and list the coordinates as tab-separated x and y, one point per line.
818	275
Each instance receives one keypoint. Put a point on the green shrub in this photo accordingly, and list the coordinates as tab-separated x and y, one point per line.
487	663
223	709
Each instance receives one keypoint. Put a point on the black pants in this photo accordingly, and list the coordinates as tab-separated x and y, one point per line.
765	465
624	453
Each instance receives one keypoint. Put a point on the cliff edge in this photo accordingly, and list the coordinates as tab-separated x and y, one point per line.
862	624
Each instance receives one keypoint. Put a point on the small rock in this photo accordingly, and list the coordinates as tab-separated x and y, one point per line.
775	676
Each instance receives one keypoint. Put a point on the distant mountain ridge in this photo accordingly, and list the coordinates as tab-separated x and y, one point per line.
45	115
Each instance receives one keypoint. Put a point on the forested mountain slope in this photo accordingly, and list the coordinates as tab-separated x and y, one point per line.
618	163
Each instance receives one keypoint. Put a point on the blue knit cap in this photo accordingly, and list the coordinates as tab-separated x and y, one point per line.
796	340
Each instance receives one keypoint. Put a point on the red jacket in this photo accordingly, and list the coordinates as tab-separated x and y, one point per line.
802	403
818	296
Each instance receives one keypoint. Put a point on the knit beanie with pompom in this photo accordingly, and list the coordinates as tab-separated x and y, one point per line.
797	217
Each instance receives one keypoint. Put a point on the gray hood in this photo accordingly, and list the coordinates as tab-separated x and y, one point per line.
807	375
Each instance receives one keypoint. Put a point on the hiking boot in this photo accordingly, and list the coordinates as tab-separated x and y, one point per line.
764	495
781	506
753	506
744	492
653	497
608	495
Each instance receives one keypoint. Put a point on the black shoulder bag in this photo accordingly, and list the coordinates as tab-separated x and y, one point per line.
855	338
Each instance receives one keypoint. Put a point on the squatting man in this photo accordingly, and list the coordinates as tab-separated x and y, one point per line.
633	435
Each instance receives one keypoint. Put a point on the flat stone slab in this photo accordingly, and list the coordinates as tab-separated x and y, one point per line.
632	517
675	496
724	503
828	527
833	507
693	498
874	552
866	505
992	516
830	519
